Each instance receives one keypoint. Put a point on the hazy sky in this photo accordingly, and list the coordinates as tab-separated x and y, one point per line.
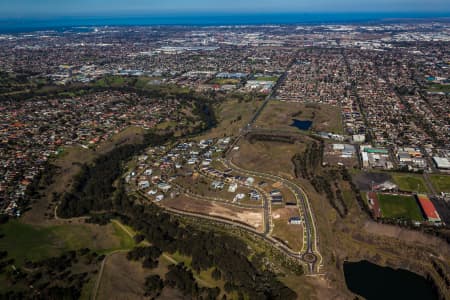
42	8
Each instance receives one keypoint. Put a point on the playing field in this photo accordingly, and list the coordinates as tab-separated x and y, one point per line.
441	183
399	206
410	182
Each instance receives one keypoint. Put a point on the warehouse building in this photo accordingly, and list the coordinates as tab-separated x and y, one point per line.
442	163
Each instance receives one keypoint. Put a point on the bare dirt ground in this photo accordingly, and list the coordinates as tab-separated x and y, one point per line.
252	217
172	294
122	279
291	234
325	290
271	157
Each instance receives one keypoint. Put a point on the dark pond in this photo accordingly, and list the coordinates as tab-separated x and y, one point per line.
375	282
302	125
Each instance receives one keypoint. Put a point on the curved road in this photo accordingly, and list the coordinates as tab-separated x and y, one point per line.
311	253
279	245
265	205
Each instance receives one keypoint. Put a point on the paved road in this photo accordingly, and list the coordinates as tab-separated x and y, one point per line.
266	204
279	245
249	125
311	254
271	94
311	251
428	182
215	199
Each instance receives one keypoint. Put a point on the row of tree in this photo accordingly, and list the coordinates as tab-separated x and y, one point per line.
307	163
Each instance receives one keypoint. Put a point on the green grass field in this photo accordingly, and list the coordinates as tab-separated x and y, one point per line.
124	234
28	242
24	241
436	87
441	182
399	206
410	182
267	78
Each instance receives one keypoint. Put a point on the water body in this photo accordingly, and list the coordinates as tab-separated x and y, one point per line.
374	282
302	124
15	25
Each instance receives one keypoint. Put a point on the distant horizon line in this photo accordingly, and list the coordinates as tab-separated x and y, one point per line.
164	14
31	24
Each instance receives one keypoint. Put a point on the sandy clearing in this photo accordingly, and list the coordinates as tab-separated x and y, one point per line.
250	216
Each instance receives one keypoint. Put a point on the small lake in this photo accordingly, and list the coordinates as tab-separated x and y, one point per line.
302	124
372	281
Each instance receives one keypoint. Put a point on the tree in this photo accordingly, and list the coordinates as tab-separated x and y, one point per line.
153	286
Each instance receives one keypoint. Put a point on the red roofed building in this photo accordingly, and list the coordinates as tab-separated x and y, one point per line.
428	208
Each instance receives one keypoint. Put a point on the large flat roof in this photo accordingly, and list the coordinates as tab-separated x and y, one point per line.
442	162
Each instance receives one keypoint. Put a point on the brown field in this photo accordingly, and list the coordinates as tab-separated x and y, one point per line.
130	135
278	115
252	217
231	116
312	287
271	157
291	234
122	279
409	236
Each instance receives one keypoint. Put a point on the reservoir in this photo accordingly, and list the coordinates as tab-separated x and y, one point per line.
302	125
372	281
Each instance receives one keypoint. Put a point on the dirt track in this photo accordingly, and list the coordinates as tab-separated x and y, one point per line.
252	217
